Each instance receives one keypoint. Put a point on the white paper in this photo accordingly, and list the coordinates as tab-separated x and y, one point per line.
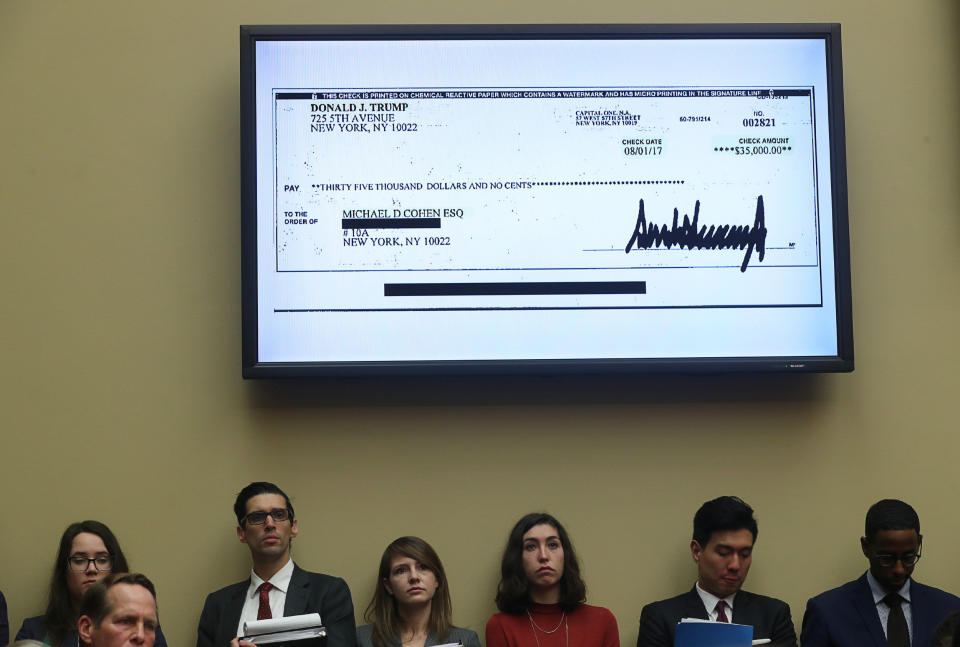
288	623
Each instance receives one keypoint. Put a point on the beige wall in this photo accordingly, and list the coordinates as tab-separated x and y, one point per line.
121	391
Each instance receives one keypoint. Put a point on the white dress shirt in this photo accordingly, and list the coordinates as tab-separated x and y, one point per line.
710	602
278	595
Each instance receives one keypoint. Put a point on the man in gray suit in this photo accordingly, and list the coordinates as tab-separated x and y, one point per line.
724	532
277	587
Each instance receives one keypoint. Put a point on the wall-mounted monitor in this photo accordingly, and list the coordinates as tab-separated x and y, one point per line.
543	198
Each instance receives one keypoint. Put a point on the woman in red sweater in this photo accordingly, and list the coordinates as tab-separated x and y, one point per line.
541	596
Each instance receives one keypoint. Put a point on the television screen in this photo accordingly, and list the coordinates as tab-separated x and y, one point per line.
543	198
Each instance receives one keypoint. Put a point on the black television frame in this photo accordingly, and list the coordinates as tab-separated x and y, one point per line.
843	361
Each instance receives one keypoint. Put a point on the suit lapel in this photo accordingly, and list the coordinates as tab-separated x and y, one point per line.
297	593
867	609
231	619
693	606
749	610
920	624
743	610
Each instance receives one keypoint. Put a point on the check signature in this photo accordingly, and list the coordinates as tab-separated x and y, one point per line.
691	235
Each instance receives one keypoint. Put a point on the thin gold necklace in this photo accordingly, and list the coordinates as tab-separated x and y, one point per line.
563	621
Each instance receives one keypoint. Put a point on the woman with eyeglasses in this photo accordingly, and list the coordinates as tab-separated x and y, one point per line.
541	595
411	602
88	552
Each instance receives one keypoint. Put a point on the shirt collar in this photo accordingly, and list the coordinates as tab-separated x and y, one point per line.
280	579
879	593
710	600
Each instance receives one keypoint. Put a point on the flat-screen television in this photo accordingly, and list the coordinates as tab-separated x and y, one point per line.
449	199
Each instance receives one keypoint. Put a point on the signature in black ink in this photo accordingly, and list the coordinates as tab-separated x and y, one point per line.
687	235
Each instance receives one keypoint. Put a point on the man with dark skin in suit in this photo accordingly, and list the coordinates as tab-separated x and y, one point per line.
884	607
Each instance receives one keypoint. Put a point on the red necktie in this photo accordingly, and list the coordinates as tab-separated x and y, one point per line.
721	611
263	611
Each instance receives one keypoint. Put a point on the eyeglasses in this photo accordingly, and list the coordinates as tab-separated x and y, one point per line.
259	517
890	559
80	563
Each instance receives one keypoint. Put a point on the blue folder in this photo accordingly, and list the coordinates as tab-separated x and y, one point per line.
713	634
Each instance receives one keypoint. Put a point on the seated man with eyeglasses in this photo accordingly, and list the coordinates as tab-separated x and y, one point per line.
884	607
277	587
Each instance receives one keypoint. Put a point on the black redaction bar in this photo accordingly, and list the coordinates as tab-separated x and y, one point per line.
521	288
390	223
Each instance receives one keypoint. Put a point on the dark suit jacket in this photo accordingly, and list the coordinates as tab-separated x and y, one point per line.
35	628
769	617
847	616
4	627
308	593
